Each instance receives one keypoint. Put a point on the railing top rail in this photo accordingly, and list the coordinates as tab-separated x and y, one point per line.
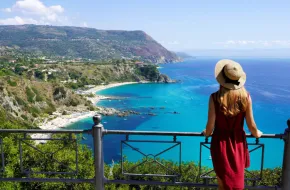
42	131
126	132
165	133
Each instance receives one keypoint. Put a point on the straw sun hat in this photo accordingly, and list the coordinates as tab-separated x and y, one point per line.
230	74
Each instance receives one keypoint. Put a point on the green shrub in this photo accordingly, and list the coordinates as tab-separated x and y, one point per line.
50	109
6	72
30	95
73	102
38	97
73	85
39	74
91	108
35	90
24	117
20	101
189	173
91	95
12	83
34	111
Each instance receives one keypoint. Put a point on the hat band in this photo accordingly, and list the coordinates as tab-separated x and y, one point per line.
228	80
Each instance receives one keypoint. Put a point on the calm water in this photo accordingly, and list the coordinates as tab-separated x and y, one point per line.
267	82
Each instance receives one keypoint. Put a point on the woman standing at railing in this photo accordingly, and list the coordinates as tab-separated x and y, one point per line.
227	109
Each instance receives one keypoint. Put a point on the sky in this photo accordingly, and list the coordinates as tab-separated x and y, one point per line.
179	25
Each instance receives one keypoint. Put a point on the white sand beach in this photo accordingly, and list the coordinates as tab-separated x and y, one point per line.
103	87
63	120
97	88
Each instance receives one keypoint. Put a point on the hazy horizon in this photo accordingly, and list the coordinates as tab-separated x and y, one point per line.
251	53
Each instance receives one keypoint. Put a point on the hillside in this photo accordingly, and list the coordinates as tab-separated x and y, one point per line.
28	101
88	43
30	89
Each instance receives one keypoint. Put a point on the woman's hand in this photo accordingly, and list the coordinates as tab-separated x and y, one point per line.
259	133
203	132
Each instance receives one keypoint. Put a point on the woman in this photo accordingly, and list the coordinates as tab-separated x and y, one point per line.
227	109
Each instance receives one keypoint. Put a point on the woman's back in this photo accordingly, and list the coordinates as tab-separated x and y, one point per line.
228	108
229	147
224	122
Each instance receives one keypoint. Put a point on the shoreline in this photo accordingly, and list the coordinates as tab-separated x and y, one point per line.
103	87
97	88
61	121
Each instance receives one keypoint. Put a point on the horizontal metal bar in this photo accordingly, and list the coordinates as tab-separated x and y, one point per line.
42	131
50	173
157	133
184	184
165	133
126	132
52	139
63	180
152	141
203	176
153	175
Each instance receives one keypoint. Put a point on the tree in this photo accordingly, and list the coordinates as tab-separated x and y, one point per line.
19	69
39	74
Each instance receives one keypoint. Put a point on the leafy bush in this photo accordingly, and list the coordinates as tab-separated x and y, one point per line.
38	97
3	72
34	111
73	85
12	83
91	95
20	101
50	109
30	95
36	160
150	72
39	74
73	102
189	173
24	117
19	69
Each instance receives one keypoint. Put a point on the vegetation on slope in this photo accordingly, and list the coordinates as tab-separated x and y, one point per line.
31	89
77	42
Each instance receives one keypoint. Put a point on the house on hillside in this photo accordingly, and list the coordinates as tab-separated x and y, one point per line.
12	60
139	64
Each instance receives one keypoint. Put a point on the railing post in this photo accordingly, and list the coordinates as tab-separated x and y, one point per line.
286	160
97	130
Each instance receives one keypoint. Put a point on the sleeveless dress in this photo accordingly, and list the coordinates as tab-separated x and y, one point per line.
229	150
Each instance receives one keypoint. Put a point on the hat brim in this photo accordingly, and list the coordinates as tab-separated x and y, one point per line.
220	77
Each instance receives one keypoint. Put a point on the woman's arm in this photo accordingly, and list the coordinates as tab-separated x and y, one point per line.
251	122
211	118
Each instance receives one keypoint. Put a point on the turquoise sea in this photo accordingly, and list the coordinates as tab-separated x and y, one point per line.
268	82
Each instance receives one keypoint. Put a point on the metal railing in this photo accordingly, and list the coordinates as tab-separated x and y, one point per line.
99	181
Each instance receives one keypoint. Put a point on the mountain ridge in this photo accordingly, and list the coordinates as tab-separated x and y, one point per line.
89	43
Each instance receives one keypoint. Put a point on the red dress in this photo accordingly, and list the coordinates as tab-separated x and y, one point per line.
229	151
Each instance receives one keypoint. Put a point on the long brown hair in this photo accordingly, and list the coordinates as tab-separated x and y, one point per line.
232	102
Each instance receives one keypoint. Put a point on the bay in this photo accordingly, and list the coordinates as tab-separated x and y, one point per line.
267	82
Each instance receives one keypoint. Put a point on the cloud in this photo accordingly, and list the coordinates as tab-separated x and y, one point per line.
252	43
35	10
17	20
7	10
